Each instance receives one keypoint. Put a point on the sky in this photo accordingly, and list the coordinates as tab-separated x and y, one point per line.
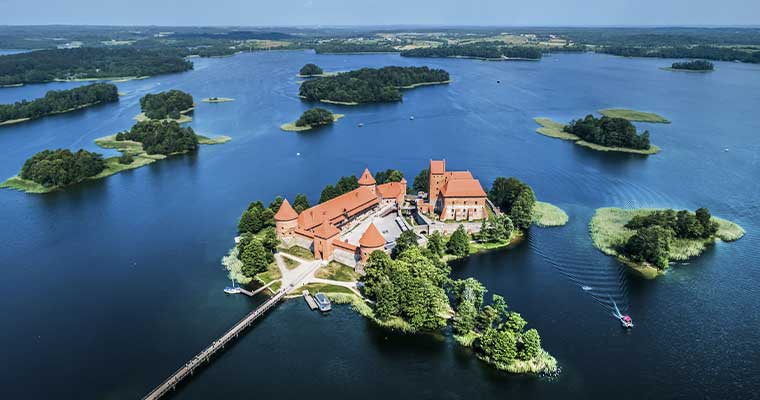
380	12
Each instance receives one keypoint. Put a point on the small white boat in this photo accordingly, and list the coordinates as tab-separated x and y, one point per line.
323	302
232	289
411	118
586	288
360	124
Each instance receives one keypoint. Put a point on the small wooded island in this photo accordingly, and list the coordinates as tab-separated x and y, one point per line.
692	66
648	239
481	51
370	85
170	105
612	132
58	102
403	278
87	63
310	70
312	118
146	142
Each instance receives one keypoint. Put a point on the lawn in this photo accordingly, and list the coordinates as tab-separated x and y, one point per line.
324	288
338	272
298	251
546	215
290	263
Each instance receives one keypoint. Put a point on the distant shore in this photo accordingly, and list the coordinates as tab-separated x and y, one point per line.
20	120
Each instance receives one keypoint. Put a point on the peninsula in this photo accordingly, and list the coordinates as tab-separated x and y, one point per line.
648	239
312	118
368	230
87	63
370	85
58	102
602	134
145	143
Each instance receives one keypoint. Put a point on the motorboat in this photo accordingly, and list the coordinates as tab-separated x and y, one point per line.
323	302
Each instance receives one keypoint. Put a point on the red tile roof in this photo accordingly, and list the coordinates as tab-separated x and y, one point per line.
336	210
437	166
326	230
372	237
391	190
462	188
367	178
344	245
459	175
286	212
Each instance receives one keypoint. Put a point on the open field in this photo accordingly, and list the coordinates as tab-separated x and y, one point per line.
337	272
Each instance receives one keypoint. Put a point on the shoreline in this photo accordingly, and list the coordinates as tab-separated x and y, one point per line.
117	79
135	149
183	119
607	231
698	71
633	115
291	126
553	129
20	120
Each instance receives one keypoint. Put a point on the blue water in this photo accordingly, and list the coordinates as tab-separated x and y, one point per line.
109	286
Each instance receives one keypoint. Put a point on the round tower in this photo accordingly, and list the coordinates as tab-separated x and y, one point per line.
370	241
367	180
286	220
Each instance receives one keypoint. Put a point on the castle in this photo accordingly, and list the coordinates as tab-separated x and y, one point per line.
345	228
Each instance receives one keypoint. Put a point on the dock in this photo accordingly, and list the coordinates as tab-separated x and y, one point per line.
309	300
257	291
217	345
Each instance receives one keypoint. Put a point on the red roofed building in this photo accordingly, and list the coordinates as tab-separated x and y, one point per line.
454	195
371	240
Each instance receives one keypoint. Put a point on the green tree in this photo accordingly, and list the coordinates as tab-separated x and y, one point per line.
515	322
650	244
310	69
515	198
465	318
389	175
459	243
276	203
406	240
436	243
315	117
422	181
255	258
531	345
300	203
709	227
521	213
468	290
500	346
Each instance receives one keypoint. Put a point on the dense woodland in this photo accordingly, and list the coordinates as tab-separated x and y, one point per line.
57	101
315	117
58	168
515	199
696	65
610	132
349	47
368	85
167	104
161	137
705	52
655	232
345	184
48	65
480	50
310	69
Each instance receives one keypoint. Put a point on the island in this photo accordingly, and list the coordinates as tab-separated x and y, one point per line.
481	51
310	70
386	254
217	99
87	63
171	105
692	66
370	85
601	134
58	102
146	142
648	239
312	118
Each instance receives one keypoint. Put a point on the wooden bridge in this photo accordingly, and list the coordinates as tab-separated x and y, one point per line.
171	383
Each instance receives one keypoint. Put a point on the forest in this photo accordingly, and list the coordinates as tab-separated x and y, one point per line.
705	52
58	101
696	65
349	47
48	65
310	70
167	104
345	184
315	117
58	168
610	132
655	232
515	199
369	85
478	50
161	137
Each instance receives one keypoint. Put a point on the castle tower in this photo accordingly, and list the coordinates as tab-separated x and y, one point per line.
436	179
367	180
370	241
324	236
286	220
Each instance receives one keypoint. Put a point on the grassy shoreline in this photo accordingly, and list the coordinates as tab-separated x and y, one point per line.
547	215
553	129
184	118
607	231
20	120
113	166
291	126
634	116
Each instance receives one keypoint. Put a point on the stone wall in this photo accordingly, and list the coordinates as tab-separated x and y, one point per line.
345	257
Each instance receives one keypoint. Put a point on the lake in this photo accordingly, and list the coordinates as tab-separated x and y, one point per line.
111	285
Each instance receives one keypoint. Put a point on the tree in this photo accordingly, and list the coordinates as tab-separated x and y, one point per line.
468	290
255	258
310	69
521	213
255	218
166	104
161	137
650	244
276	203
422	181
389	175
300	203
495	229
465	318
328	193
436	243
58	168
500	346
315	117
459	243
514	198
709	227
515	322
58	101
270	242
406	240
531	345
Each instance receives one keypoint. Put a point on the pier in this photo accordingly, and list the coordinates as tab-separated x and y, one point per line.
189	367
